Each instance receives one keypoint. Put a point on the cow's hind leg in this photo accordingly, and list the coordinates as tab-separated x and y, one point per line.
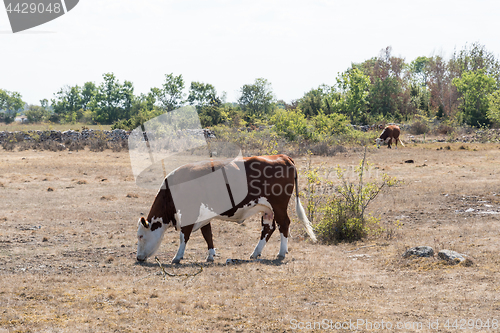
207	234
268	226
284	227
184	237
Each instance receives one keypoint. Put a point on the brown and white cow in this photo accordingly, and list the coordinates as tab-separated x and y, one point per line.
389	135
270	181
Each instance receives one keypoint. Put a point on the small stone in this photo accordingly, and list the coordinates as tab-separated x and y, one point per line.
419	251
451	256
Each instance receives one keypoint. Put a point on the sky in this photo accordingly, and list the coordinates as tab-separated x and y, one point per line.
296	45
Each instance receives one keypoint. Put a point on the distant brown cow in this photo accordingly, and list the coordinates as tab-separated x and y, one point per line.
389	134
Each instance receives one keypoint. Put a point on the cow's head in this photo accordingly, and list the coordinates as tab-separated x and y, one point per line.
149	236
379	142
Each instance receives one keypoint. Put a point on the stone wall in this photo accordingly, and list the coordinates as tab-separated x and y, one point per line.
116	135
66	136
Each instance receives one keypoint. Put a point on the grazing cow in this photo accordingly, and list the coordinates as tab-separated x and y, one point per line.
270	181
389	134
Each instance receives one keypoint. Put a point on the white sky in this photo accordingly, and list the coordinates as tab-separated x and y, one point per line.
296	45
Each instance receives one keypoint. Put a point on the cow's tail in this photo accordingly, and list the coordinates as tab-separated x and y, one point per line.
301	213
401	142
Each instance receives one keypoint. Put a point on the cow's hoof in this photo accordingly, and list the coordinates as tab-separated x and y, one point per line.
253	256
209	259
280	257
176	261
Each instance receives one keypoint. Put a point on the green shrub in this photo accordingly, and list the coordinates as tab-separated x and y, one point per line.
290	124
341	213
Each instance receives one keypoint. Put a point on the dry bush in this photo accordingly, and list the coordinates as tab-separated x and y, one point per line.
117	146
75	145
97	144
26	145
8	145
325	149
444	129
419	127
51	145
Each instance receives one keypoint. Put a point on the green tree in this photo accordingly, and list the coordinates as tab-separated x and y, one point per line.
67	101
10	103
36	113
257	99
113	100
208	104
88	94
44	103
314	101
201	94
170	94
493	113
387	94
474	88
354	87
473	58
419	70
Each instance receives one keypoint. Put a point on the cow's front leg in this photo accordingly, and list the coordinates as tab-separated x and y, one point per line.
388	141
207	235
184	237
268	226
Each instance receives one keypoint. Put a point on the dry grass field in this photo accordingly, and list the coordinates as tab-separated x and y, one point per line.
68	225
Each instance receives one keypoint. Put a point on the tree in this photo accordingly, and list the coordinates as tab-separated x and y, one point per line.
354	87
474	88
44	103
67	102
170	95
313	102
442	94
88	93
201	94
419	70
36	113
257	99
113	101
493	113
10	103
387	96
473	58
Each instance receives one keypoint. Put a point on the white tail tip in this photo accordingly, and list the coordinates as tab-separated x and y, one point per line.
303	217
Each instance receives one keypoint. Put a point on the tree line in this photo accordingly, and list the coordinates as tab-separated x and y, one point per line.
464	89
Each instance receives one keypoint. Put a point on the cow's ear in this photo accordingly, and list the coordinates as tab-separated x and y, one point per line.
144	222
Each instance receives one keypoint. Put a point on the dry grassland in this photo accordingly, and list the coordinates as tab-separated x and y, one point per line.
68	239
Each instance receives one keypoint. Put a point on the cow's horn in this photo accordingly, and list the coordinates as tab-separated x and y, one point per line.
144	222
